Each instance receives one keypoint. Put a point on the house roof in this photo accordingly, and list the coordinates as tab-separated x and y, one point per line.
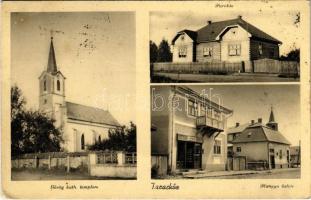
90	114
211	31
238	129
260	133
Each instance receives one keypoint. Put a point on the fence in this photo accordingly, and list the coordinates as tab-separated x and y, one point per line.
199	67
258	165
236	163
51	160
288	68
285	68
130	158
113	163
107	157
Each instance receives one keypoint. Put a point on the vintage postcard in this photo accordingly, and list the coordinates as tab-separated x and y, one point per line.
141	99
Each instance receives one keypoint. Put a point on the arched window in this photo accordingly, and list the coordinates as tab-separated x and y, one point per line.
58	85
82	142
99	139
44	85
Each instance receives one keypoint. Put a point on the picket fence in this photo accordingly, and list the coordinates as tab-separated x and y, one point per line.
269	66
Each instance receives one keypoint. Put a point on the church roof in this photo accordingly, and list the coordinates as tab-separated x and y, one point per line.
52	67
90	114
260	133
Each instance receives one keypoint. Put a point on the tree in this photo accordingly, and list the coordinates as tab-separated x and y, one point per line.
120	139
293	55
17	101
31	131
164	52
153	50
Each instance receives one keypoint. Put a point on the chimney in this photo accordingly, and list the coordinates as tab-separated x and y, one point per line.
253	122
209	22
260	120
239	16
237	124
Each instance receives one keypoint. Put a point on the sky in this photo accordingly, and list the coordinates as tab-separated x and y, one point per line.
279	23
250	102
94	50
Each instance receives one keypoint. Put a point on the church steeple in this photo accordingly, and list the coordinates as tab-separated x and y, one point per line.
52	67
272	124
271	118
52	89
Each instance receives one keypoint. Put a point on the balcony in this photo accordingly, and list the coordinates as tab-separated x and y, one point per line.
209	124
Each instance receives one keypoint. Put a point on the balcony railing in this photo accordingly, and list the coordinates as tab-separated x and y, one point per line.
209	122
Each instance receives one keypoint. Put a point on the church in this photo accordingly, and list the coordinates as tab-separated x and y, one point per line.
81	125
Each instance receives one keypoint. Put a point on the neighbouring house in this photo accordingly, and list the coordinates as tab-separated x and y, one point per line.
81	125
233	40
295	156
190	130
261	144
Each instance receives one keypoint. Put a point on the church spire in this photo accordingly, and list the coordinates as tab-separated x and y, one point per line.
272	124
52	67
271	118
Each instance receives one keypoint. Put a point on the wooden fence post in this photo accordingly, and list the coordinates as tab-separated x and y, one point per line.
68	163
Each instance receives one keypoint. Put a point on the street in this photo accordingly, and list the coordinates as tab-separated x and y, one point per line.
226	78
274	174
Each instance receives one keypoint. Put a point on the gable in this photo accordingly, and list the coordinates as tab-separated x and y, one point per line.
233	33
185	36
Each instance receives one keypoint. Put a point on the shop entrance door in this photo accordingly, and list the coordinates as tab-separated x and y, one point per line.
189	155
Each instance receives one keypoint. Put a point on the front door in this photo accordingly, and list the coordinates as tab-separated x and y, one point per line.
189	155
272	161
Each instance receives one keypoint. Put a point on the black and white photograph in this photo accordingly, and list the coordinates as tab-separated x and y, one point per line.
225	132
236	46
73	96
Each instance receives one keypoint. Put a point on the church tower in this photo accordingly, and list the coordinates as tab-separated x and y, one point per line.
272	124
52	89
